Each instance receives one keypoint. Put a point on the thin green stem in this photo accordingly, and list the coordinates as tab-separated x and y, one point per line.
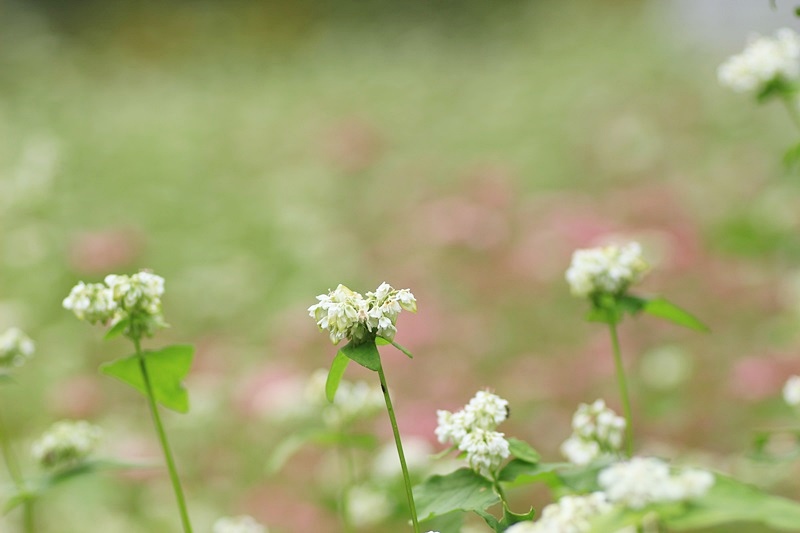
399	444
500	492
402	349
16	476
162	437
623	389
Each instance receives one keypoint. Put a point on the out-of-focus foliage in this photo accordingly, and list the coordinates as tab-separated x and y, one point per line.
257	154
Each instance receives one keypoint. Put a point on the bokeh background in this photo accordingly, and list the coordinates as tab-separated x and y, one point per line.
256	154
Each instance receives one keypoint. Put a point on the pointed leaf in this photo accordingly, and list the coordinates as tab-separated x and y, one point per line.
490	520
523	451
380	341
462	490
518	472
118	329
338	366
365	354
510	518
662	308
166	368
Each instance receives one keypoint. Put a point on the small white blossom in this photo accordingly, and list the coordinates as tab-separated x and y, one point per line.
791	391
472	430
238	524
347	314
15	348
762	61
137	297
93	302
596	430
571	514
644	480
66	443
609	269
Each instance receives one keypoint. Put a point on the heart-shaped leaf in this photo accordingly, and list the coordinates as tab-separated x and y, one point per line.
462	490
523	451
166	369
365	354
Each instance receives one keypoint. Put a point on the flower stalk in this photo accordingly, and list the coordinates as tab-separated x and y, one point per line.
623	388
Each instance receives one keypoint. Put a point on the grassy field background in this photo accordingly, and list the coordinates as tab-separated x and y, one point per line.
258	154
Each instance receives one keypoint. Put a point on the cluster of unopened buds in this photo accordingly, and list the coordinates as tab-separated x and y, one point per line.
15	348
347	314
136	297
472	430
66	443
605	270
596	431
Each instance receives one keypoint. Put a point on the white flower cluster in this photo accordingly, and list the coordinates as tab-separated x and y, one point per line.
348	315
791	391
238	524
641	481
66	443
608	269
472	430
15	348
353	401
571	514
762	61
596	430
137	297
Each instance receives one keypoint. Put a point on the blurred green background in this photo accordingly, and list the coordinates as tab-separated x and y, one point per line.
256	154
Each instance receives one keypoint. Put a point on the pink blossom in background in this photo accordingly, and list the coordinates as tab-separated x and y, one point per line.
101	252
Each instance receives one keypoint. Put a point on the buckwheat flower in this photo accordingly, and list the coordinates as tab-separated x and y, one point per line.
139	296
66	443
487	409
452	427
15	348
485	450
347	314
791	391
606	270
765	59
93	302
571	514
641	481
596	431
238	524
579	451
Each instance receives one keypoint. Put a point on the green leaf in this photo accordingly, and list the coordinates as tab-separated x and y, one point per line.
662	308
118	329
777	87
490	520
519	472
523	451
338	366
791	159
166	368
365	354
380	341
510	518
462	490
402	349
18	499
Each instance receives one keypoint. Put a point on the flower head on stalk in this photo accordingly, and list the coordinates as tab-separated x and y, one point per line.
238	524
135	299
570	514
472	430
765	61
596	431
606	270
15	348
347	314
66	443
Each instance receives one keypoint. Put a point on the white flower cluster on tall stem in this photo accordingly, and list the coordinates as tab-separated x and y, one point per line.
605	270
136	297
66	443
596	430
347	314
764	60
791	391
15	348
641	481
353	401
472	430
238	524
571	514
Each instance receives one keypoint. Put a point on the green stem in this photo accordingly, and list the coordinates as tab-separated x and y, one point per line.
623	388
399	445
500	492
16	476
162	437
